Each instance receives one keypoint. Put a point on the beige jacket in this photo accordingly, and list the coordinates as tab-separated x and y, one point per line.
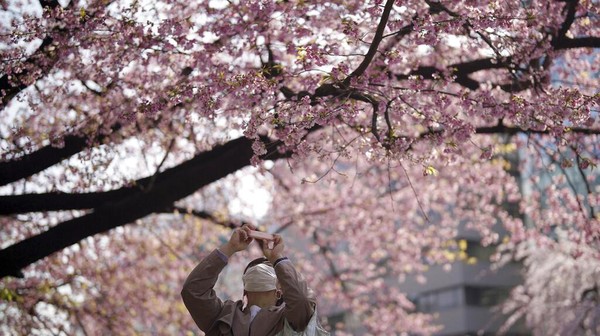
216	317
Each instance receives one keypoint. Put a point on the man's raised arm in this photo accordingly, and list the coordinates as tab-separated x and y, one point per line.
198	294
299	299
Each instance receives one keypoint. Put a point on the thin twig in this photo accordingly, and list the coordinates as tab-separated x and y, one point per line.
415	193
584	179
390	185
157	171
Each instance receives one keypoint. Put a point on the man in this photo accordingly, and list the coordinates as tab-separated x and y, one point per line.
265	281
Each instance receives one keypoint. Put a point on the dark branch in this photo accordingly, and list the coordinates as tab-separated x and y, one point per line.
59	201
516	86
460	70
571	9
398	35
207	216
502	129
35	162
49	4
182	181
374	44
481	64
560	41
580	42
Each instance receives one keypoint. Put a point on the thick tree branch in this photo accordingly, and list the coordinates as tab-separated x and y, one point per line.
561	41
508	130
580	42
35	162
170	186
481	64
58	201
49	4
502	129
571	9
516	86
460	70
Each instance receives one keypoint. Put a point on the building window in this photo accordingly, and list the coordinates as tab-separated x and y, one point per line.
448	298
440	299
485	296
481	253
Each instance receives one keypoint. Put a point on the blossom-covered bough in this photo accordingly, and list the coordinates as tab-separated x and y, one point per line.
378	127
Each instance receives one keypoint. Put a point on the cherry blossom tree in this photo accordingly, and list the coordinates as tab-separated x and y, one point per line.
128	130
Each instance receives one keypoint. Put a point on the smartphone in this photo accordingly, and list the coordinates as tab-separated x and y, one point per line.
261	235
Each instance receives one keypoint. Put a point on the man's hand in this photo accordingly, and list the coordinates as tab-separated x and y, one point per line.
276	252
239	240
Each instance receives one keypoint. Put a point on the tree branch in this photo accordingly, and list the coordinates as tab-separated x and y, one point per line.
460	70
35	162
374	44
205	215
44	59
559	42
59	201
170	186
580	42
571	9
502	129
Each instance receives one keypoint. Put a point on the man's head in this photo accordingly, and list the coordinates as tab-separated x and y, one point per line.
260	283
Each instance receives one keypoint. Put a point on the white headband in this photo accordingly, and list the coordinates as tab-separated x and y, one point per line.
260	278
